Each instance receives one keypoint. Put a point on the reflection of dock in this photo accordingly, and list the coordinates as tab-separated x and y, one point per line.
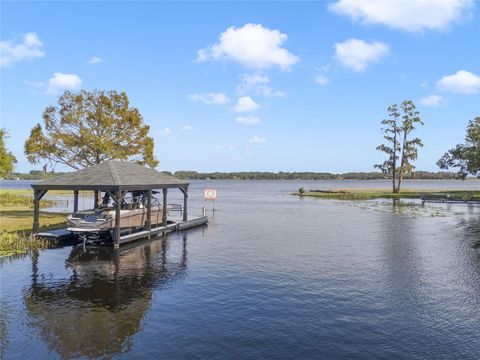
94	312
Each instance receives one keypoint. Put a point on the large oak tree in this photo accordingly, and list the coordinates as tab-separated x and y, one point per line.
89	127
465	157
7	159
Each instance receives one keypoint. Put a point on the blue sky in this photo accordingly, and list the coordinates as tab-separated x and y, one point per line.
251	86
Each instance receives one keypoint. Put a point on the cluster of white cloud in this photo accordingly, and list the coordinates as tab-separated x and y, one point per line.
253	46
357	54
245	104
410	16
210	98
59	82
29	48
462	82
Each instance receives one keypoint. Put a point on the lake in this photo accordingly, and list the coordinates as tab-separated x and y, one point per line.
271	276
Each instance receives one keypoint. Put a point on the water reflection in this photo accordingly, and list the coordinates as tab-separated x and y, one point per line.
97	310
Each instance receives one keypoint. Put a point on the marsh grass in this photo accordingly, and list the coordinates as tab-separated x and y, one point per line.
16	218
19	242
10	198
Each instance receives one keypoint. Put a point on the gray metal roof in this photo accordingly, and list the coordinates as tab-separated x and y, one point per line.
112	175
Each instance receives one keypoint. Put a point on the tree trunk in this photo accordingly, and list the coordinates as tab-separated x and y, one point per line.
394	160
402	163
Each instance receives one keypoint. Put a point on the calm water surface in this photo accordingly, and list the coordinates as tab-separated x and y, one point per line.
271	276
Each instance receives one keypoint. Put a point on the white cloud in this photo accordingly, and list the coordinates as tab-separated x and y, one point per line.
186	127
257	83
247	120
166	133
210	98
462	82
253	46
257	140
432	100
405	15
357	54
95	60
245	104
268	91
250	79
29	48
321	79
61	82
34	84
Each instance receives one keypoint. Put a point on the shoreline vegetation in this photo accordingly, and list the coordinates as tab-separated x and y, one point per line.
265	175
383	193
16	216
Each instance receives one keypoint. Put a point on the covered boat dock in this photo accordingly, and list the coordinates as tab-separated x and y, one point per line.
117	178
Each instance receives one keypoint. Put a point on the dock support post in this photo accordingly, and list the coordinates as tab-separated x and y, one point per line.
185	203
148	223
37	196
164	209
95	199
118	205
75	201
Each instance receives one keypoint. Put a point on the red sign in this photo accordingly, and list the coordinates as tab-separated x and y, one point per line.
210	194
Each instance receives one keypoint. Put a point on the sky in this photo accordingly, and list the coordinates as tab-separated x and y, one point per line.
250	86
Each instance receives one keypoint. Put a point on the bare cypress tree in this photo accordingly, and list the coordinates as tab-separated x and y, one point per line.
391	133
398	145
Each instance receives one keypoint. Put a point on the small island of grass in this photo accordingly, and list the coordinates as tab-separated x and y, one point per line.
371	194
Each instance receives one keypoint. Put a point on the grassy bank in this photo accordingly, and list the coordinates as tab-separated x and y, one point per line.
371	194
16	218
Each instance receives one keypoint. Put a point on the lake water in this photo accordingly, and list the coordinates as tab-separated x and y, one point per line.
271	276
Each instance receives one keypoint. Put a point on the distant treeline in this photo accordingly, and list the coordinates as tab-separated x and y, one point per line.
419	175
254	175
33	175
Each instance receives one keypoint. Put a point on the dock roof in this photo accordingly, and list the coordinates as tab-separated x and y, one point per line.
112	176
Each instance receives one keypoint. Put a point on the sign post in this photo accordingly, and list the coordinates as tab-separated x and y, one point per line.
210	194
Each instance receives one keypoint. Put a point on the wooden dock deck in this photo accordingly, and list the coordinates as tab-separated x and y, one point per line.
63	236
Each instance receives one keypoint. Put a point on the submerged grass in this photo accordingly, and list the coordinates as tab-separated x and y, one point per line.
16	243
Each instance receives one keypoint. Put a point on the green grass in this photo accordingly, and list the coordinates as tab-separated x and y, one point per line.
371	194
16	220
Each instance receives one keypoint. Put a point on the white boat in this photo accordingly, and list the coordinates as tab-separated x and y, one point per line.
98	224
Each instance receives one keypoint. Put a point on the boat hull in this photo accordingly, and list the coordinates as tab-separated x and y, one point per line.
98	224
